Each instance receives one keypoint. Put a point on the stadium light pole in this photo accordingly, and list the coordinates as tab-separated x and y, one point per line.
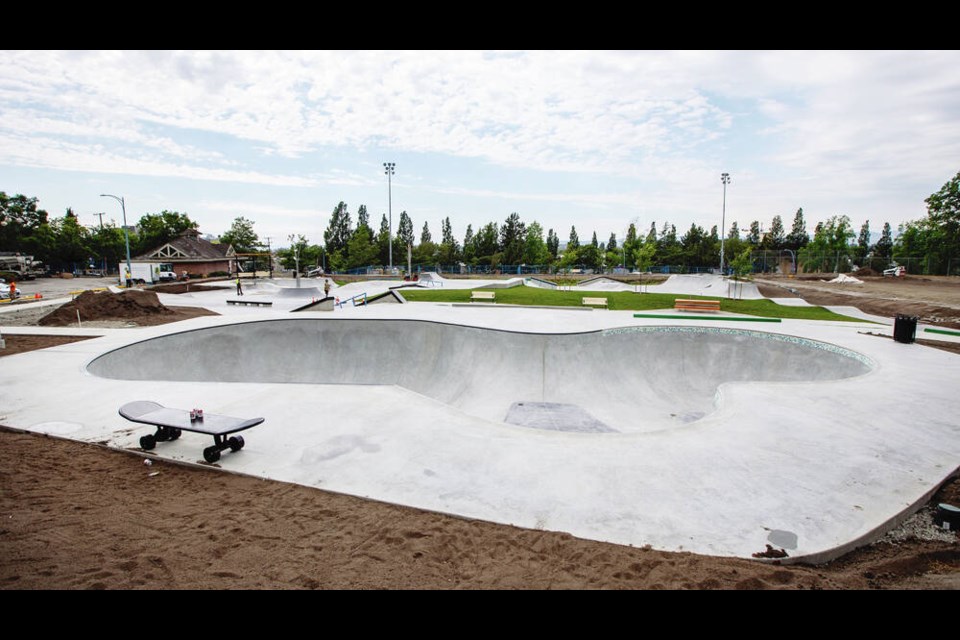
725	179
388	169
126	232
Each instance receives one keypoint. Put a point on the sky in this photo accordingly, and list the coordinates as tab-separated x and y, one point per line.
595	139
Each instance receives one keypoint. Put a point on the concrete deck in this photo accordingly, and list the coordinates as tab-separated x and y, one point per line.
833	462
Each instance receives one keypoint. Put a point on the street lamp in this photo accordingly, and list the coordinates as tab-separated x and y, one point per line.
126	232
725	179
388	169
296	255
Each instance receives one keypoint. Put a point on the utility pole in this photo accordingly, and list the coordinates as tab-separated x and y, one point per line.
270	257
126	232
101	219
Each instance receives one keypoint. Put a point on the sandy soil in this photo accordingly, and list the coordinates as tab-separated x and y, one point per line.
81	516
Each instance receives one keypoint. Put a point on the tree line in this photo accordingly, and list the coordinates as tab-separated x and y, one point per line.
932	242
64	244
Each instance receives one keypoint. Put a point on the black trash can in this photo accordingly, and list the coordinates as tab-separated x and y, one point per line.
905	328
947	517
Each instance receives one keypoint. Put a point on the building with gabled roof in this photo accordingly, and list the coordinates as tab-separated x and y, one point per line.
190	253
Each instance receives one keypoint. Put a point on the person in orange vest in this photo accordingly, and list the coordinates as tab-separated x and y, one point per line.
13	291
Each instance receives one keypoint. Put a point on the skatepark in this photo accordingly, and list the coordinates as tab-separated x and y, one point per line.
701	436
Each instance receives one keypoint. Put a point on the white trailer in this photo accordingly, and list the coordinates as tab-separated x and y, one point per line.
147	272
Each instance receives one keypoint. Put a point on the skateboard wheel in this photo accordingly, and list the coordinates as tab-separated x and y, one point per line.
175	433
236	443
148	442
211	454
162	434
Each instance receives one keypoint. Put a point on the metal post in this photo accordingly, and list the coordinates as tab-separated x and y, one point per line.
389	170
270	257
725	179
296	256
126	232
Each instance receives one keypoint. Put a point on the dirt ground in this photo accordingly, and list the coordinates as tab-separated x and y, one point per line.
81	516
935	299
136	307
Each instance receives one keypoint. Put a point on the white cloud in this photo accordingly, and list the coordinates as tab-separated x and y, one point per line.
844	127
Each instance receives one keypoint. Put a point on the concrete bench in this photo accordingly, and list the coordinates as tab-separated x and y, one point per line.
256	303
483	295
594	302
696	305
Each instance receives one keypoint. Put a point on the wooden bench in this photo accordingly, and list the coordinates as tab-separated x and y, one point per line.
256	303
483	295
594	302
696	305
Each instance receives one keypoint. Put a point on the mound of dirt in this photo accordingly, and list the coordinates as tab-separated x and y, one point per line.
132	304
865	271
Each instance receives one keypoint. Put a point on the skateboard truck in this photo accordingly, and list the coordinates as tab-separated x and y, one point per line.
171	423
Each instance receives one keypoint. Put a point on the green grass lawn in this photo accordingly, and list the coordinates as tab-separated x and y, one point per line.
623	301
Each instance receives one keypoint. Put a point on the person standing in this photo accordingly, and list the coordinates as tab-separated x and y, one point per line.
13	291
127	274
326	288
239	288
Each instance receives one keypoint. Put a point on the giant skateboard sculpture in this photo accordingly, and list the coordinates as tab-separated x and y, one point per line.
171	422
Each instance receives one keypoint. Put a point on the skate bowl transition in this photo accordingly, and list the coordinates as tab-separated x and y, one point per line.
631	379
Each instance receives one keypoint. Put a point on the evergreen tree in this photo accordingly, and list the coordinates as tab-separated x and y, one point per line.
383	241
425	234
487	246
574	242
449	249
363	219
775	239
339	230
798	237
405	231
553	244
469	249
734	233
612	243
593	241
669	251
696	248
753	238
512	237
863	243
630	245
884	246
652	234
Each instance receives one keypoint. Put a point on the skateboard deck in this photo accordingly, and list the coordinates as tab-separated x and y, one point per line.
170	423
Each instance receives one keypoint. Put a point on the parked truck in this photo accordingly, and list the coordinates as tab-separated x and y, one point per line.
21	266
147	272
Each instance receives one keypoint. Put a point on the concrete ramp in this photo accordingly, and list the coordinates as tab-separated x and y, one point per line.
302	292
635	379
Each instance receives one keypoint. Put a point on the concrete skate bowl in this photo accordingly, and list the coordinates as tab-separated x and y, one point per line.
632	379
